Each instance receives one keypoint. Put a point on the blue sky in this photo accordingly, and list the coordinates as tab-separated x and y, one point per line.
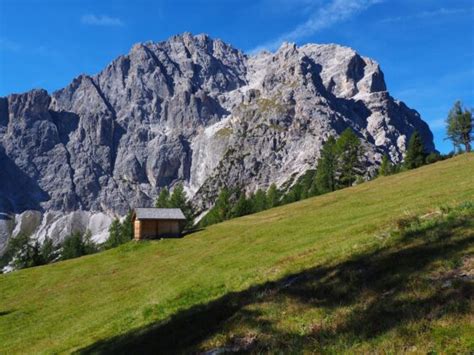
425	47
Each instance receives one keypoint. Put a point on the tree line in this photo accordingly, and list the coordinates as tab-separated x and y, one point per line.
340	165
24	252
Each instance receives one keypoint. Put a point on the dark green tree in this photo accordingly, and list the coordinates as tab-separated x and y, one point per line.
242	207
178	199
73	246
163	200
349	152
415	155
211	217
307	185
115	235
433	157
221	211
16	248
259	201
325	180
223	205
459	126
273	196
126	228
89	246
294	194
386	168
49	252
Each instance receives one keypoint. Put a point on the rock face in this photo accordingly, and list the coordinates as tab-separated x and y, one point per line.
192	110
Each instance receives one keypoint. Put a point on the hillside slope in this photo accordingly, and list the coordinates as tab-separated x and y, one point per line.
136	288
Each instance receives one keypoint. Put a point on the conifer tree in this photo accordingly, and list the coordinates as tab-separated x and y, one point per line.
325	180
73	246
163	200
242	207
349	151
179	200
259	201
415	155
126	228
459	126
386	168
222	205
115	235
273	196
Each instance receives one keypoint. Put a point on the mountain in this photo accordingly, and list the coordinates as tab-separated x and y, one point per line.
330	274
190	109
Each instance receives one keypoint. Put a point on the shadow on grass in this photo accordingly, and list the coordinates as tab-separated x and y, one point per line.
4	313
388	275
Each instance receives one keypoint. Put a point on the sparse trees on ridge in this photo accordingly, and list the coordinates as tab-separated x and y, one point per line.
459	127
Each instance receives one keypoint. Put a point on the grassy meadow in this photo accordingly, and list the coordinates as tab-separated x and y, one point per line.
352	270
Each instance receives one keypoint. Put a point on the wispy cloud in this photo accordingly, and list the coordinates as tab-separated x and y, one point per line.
101	20
437	13
323	17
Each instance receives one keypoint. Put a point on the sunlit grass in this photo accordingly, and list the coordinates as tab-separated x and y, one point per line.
73	304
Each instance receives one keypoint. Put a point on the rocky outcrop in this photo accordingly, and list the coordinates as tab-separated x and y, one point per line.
190	109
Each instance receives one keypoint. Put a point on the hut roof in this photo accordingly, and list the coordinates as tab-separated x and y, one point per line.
159	213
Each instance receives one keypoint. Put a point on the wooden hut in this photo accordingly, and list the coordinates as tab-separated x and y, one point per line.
150	223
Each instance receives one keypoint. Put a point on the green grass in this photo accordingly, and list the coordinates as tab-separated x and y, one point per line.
323	274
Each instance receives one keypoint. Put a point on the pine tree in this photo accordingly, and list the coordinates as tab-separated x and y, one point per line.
220	212
223	205
89	246
178	197
178	200
115	235
242	207
307	185
126	228
73	246
273	196
386	168
325	180
259	201
415	155
459	127
48	251
163	200
349	151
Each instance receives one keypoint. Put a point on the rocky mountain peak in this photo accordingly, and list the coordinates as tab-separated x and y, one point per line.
195	110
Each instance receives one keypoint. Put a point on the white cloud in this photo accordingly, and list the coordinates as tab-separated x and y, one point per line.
325	16
101	20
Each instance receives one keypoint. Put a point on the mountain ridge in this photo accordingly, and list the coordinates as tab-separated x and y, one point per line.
190	109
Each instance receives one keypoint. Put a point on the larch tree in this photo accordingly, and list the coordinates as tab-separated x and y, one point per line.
459	126
325	180
349	152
